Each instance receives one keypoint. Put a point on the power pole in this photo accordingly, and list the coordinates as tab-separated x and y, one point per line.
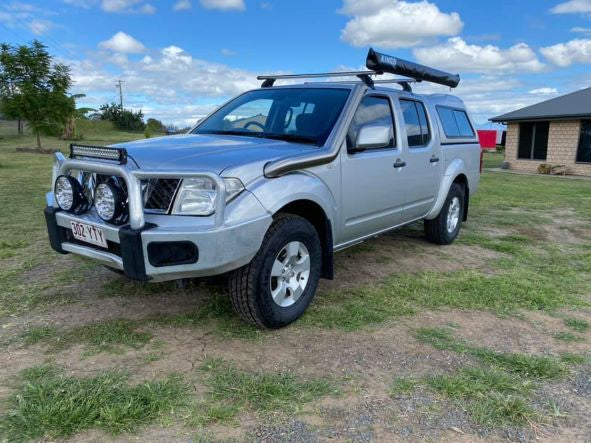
118	84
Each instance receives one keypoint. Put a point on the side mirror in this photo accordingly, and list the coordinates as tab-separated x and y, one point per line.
372	137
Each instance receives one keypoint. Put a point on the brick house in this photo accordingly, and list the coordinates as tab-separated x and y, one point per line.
557	131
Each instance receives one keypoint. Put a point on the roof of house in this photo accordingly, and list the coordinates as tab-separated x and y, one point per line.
574	105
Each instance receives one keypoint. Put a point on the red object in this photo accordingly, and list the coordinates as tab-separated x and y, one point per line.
487	138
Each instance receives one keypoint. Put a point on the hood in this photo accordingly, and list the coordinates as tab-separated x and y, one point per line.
214	153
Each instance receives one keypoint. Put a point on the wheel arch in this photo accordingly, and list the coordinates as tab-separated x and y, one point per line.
314	213
456	172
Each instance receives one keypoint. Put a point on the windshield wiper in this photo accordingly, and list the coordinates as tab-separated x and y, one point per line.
292	138
275	136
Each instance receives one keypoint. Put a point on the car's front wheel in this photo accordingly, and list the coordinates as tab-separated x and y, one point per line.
277	286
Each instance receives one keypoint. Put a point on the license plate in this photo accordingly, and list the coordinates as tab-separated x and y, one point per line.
88	233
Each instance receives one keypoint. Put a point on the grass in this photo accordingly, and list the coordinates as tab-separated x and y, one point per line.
110	335
51	405
24	248
491	396
498	392
232	391
520	364
577	324
568	337
492	159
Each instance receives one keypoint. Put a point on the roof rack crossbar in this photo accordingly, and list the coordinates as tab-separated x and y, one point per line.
377	64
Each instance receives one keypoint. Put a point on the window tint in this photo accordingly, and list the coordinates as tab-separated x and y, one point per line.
372	111
415	122
455	122
448	121
584	151
463	124
533	140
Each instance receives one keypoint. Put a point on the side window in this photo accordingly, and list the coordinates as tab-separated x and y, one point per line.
372	111
455	122
415	122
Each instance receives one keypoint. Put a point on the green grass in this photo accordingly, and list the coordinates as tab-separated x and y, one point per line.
498	392
573	359
232	391
577	324
51	405
103	336
492	159
521	364
568	337
491	397
403	386
24	249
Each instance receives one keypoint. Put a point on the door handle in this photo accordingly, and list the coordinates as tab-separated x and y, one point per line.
434	159
399	164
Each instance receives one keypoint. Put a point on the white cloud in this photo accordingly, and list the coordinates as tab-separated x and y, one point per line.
224	5
182	5
26	16
168	83
396	24
544	91
123	43
573	7
565	54
581	30
40	27
148	9
228	52
457	55
117	5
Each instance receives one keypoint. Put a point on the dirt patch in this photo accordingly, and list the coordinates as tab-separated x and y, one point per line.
398	253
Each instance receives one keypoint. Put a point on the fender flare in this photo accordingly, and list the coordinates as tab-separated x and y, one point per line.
276	193
454	169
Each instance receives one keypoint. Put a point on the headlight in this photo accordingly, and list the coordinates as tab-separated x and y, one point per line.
109	202
69	195
197	196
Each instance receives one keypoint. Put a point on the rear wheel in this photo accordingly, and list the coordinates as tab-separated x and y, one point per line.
277	286
444	229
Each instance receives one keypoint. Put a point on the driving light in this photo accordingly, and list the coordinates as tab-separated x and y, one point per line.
197	196
109	201
69	195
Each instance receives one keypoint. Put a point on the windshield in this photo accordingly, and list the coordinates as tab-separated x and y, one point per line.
302	115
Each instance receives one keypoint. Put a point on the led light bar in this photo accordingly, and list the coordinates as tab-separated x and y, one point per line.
99	152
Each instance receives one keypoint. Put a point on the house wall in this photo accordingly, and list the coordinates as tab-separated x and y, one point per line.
563	141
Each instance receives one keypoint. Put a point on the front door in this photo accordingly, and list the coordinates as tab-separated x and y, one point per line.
423	160
372	188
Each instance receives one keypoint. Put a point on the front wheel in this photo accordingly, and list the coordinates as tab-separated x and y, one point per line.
444	228
277	286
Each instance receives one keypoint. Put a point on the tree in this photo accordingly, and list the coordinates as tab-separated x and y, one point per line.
122	118
34	89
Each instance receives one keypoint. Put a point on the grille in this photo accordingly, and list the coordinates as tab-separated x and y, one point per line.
159	192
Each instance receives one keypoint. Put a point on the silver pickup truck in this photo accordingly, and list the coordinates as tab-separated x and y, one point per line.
267	187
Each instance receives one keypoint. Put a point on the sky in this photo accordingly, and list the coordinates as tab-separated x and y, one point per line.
179	59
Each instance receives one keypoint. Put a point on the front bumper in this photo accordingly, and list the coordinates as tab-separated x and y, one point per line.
220	248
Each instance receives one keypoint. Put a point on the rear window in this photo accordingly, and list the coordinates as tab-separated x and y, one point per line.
455	122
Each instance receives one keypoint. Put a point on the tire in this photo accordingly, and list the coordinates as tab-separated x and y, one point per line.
275	289
438	230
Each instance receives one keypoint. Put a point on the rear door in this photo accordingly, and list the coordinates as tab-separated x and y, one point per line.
372	189
423	159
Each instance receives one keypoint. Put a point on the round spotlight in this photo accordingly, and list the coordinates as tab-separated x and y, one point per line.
70	195
109	201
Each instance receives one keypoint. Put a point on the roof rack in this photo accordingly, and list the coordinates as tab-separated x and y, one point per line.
379	64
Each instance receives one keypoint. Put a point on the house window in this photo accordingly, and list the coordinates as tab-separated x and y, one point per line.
533	140
584	150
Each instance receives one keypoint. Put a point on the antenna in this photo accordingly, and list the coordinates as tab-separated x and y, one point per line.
118	85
